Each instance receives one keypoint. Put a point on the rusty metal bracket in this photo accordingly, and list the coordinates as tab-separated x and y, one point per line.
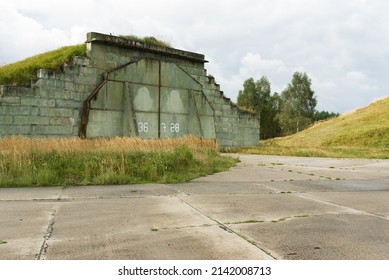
86	109
93	95
159	97
134	124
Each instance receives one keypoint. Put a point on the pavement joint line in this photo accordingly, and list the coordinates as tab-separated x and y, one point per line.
348	210
170	187
49	231
228	229
71	199
190	226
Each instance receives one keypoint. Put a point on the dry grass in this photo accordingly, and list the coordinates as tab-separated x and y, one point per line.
72	161
116	144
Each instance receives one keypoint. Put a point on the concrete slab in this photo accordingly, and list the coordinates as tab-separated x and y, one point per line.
265	207
315	161
376	202
254	171
142	228
31	193
329	185
339	236
262	207
200	242
117	191
323	167
23	226
222	187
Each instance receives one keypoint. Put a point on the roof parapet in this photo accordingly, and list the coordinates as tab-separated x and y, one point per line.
133	44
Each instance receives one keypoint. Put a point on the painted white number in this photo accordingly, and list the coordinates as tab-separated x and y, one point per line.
143	127
174	127
163	127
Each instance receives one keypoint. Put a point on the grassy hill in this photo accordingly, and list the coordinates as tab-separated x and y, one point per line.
361	133
20	73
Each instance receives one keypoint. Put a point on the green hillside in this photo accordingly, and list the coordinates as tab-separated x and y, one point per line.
20	73
361	133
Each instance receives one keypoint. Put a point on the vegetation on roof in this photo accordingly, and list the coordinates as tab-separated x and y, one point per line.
20	73
148	40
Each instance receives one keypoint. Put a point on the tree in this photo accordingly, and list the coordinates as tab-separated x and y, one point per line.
323	115
266	109
247	96
256	96
274	129
297	104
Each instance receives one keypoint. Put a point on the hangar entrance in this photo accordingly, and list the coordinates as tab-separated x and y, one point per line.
148	98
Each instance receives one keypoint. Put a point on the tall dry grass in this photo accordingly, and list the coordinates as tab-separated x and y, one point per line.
72	161
21	145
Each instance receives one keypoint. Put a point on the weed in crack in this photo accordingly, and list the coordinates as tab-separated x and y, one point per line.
280	220
245	222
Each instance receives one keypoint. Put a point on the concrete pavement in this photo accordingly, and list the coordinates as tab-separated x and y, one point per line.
267	207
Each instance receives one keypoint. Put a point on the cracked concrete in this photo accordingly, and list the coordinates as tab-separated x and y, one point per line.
266	207
50	227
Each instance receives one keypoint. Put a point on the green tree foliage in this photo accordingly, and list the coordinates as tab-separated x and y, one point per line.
246	97
282	114
323	115
297	105
273	128
256	97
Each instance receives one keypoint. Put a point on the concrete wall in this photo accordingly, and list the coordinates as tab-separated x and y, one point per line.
166	102
126	88
52	106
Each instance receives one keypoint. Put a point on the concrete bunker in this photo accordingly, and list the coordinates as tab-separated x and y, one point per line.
127	88
166	102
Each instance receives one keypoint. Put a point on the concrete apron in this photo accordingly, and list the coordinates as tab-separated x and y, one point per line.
266	207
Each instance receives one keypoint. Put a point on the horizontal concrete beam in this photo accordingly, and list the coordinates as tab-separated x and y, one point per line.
127	43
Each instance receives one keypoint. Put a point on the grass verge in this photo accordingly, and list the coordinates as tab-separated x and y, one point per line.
62	162
271	147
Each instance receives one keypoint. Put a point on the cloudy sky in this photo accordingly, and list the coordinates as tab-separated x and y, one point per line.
343	45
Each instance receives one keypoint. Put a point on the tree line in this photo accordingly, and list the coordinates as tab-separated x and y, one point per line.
282	114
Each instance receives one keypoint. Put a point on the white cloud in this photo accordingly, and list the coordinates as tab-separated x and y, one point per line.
355	76
23	36
360	81
254	62
341	44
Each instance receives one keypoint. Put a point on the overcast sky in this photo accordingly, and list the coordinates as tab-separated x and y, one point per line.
343	45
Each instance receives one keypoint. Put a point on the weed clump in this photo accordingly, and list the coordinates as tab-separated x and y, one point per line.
148	40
